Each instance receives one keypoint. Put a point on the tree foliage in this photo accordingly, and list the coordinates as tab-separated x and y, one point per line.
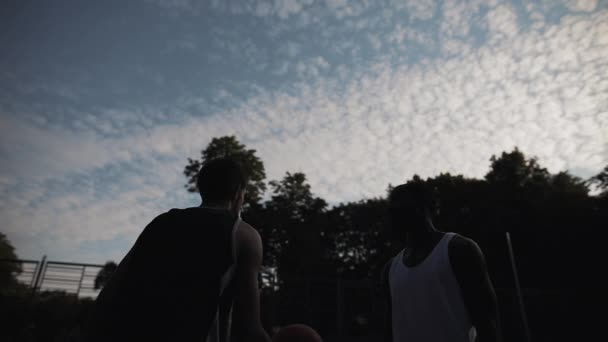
230	147
601	182
293	223
9	267
105	274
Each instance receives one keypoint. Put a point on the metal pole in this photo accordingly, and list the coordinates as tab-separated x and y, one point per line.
80	281
35	274
517	288
39	273
43	270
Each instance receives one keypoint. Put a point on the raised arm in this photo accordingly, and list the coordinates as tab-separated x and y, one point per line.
468	263
247	324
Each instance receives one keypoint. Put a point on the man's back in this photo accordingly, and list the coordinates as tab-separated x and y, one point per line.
168	285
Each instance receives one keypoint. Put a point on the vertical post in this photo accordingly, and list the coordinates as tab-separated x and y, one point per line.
40	268
45	266
517	288
80	281
339	308
35	274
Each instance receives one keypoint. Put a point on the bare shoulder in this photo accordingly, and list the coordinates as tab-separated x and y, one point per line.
463	245
249	241
248	233
465	254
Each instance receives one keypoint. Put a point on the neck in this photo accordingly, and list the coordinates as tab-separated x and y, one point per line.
422	234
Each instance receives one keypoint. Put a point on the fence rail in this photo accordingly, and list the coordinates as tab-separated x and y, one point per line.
46	275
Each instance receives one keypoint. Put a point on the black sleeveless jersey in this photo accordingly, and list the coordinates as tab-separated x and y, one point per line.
168	286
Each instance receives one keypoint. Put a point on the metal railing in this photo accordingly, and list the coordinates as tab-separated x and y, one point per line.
70	277
29	269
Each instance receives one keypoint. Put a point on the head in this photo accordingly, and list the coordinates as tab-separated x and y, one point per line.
221	182
412	206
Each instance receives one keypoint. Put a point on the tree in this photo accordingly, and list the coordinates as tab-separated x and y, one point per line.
229	146
513	170
105	274
601	182
360	239
292	228
564	182
460	202
10	268
518	187
292	196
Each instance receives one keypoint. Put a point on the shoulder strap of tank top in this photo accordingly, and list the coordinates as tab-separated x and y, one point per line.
228	275
445	244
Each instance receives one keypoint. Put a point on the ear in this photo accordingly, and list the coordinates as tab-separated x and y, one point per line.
239	197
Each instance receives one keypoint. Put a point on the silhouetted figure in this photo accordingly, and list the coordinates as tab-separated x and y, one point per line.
437	287
192	273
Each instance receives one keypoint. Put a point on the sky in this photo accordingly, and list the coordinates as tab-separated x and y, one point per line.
102	102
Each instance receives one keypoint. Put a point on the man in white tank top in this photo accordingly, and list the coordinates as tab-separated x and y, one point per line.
438	288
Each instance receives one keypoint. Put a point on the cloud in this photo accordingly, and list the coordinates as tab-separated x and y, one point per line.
263	9
282	69
581	5
175	7
299	10
232	44
291	49
449	89
175	4
342	9
502	22
313	68
457	17
335	4
456	26
402	34
78	189
375	41
287	7
186	43
420	9
95	210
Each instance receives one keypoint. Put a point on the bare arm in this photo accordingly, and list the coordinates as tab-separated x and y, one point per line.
246	315
468	263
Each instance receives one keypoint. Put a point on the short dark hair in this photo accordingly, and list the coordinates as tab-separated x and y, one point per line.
220	179
414	194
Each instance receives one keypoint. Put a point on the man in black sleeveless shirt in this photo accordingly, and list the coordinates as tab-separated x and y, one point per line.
191	274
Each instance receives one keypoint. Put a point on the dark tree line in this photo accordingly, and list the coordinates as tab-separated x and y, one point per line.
554	222
301	231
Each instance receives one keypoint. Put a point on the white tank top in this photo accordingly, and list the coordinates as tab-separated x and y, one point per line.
427	305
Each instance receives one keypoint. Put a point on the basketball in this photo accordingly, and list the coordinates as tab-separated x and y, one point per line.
297	333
